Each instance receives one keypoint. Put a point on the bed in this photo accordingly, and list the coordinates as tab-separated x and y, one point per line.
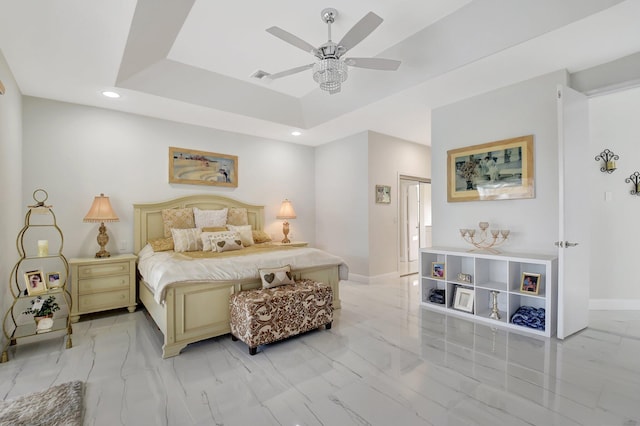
189	311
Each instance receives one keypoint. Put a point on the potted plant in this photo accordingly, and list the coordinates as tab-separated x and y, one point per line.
41	309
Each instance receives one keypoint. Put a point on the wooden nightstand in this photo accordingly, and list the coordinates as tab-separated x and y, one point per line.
102	284
291	244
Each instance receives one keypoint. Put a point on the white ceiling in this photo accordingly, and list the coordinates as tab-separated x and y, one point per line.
192	60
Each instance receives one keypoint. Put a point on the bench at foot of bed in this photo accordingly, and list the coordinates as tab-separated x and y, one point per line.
263	316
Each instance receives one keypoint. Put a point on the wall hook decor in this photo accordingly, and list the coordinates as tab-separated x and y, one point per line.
635	179
608	157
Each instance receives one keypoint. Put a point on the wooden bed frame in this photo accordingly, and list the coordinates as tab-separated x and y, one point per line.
196	311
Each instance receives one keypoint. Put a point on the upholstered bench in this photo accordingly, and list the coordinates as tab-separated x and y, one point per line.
264	316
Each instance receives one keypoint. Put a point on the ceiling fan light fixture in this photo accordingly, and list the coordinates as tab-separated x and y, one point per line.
330	74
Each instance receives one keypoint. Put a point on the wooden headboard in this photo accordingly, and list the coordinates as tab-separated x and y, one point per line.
147	217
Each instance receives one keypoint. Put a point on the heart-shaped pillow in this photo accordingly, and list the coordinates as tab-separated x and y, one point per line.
273	277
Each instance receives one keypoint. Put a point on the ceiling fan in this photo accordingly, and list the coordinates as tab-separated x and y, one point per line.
331	69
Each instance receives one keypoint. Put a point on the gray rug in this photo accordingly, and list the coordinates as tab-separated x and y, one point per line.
59	405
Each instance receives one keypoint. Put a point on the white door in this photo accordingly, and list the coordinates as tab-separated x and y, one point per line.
574	232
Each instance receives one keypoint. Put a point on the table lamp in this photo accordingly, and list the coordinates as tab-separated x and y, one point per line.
101	212
286	212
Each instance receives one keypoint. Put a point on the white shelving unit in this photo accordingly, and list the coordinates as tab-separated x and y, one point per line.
499	272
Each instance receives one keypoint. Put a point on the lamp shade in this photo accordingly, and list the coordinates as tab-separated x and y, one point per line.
101	211
286	210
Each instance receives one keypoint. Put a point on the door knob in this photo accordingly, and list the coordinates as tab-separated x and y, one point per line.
564	244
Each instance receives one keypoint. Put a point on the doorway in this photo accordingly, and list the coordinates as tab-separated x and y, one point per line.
415	221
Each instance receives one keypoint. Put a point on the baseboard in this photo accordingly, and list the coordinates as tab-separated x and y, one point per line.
372	280
614	304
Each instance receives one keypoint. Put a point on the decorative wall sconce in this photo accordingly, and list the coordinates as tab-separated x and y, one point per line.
635	179
609	161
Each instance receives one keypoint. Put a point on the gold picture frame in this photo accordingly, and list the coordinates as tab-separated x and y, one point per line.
34	281
500	170
53	280
530	283
437	270
189	166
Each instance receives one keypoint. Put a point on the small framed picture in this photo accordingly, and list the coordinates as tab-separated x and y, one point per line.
53	280
463	299
437	269
530	283
383	194
34	281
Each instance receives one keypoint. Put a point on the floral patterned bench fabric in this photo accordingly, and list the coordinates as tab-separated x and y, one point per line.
264	316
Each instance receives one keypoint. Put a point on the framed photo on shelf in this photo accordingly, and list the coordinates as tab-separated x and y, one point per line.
53	280
530	283
500	170
383	194
463	299
34	281
437	270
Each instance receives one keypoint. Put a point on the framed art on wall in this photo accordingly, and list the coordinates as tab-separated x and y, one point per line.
202	168
383	194
500	170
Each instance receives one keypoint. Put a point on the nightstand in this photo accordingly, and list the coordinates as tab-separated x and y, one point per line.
100	284
291	244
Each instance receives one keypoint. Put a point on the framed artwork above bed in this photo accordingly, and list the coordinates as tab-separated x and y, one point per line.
189	166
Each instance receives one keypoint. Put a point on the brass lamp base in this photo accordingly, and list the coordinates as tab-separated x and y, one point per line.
285	231
102	239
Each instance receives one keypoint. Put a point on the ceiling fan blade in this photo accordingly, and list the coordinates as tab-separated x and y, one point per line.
291	39
374	63
289	72
360	30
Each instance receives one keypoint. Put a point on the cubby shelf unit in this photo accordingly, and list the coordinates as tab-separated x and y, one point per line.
499	272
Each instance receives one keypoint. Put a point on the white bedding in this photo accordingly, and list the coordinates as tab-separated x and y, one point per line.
163	268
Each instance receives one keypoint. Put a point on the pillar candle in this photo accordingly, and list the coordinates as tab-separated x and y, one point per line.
611	165
43	248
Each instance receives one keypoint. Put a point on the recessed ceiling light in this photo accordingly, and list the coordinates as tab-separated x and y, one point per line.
296	133
110	94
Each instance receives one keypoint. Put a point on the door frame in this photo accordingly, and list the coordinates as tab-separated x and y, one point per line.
401	219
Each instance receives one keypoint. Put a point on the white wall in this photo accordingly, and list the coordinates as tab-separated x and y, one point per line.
388	159
521	109
77	152
13	208
614	124
342	200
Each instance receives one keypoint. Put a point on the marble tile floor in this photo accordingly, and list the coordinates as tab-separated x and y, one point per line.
386	361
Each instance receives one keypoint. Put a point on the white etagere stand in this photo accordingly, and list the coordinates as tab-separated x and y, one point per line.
499	272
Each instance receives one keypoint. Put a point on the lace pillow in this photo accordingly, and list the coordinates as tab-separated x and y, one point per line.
206	218
274	277
208	237
237	216
245	234
186	239
178	219
226	244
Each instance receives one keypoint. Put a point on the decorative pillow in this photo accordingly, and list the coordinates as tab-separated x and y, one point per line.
205	218
260	237
226	244
178	219
245	234
186	239
208	237
214	229
161	244
237	216
274	277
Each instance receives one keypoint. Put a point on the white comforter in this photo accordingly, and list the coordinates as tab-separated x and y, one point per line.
163	268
